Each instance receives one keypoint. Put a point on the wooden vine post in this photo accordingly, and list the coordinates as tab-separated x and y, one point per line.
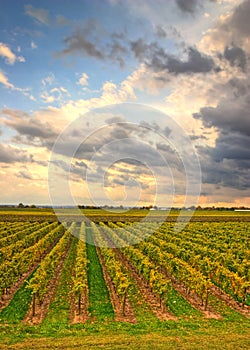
124	302
33	304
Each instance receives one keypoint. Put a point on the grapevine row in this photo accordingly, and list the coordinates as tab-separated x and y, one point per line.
80	279
213	271
11	271
157	281
20	234
39	282
114	267
9	251
191	278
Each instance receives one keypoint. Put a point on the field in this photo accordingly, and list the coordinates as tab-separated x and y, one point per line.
108	282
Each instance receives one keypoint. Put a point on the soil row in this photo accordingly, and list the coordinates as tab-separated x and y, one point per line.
128	315
43	308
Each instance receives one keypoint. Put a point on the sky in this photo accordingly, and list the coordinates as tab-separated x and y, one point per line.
125	102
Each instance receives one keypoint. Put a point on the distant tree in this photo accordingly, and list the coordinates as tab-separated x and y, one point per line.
20	205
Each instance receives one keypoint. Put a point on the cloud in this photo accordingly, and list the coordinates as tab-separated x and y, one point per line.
24	175
190	6
228	116
78	42
227	163
89	40
33	45
118	52
240	19
236	57
50	94
62	21
187	6
10	154
217	164
28	127
49	79
39	14
55	94
6	52
156	58
232	30
196	63
83	79
4	80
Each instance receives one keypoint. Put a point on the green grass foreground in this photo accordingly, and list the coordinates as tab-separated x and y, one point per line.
206	334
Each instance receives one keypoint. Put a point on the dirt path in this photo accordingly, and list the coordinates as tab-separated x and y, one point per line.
75	317
128	315
229	301
145	290
42	310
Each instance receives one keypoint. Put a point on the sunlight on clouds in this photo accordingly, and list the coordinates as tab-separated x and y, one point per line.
4	80
188	59
6	52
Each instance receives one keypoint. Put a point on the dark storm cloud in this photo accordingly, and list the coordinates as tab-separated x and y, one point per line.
236	56
140	48
159	60
238	150
228	162
187	6
232	114
89	41
224	172
196	62
10	154
190	6
228	116
240	19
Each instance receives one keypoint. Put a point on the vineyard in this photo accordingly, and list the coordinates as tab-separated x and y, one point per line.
79	274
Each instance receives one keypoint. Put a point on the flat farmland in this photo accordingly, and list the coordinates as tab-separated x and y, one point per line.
109	282
115	215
